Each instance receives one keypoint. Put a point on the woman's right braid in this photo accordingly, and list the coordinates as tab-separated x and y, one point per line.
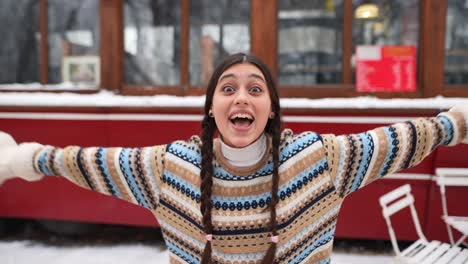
274	129
206	173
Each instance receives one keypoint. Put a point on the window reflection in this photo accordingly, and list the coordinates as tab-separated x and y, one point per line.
310	41
73	33
396	23
217	28
456	42
19	49
152	42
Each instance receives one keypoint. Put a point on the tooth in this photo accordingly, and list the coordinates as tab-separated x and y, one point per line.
241	115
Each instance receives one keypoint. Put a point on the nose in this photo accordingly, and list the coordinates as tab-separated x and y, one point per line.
242	97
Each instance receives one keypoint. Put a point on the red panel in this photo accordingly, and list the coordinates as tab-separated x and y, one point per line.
148	133
361	214
57	132
55	198
456	157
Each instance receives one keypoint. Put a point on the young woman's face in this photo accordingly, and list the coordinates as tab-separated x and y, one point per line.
241	105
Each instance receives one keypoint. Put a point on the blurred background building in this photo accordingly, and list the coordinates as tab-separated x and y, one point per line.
164	46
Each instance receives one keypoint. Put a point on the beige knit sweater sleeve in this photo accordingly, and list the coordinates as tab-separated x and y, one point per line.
132	174
357	159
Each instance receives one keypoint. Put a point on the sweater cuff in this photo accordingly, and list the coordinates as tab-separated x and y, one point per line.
23	165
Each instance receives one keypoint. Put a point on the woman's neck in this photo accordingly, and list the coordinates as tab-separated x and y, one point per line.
246	156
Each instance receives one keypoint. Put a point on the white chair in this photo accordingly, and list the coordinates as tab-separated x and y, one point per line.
421	251
453	177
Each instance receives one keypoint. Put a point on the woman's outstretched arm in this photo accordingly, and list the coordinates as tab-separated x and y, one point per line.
132	174
357	159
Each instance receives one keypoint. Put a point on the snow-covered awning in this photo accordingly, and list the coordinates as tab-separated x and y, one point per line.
109	99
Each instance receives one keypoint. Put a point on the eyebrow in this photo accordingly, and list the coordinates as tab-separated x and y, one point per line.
231	75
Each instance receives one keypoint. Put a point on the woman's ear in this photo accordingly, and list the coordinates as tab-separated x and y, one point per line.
272	115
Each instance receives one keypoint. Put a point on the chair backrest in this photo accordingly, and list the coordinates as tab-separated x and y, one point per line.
394	202
450	177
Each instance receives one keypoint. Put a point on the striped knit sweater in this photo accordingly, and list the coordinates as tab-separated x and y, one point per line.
316	173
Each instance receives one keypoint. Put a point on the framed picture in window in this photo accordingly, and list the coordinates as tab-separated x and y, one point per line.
81	70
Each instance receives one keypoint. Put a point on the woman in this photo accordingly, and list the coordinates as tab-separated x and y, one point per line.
254	194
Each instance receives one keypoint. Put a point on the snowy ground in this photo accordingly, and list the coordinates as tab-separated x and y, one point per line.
25	241
26	252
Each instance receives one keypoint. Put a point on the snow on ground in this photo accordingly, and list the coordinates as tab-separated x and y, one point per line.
25	252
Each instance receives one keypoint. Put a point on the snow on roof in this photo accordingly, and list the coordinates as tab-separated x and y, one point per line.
108	99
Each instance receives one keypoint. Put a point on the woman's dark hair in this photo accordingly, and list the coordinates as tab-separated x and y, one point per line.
272	129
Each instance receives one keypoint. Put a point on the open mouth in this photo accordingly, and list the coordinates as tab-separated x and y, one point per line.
241	120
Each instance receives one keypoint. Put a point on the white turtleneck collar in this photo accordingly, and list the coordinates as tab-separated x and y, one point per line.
247	156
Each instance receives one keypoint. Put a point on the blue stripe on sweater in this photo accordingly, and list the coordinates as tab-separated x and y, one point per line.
306	207
266	170
149	170
124	162
301	142
181	214
177	182
178	233
367	151
185	153
242	199
411	143
181	253
104	170
82	170
383	169
43	162
315	169
448	128
324	239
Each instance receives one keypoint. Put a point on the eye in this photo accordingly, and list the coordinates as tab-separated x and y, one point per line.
255	89
228	89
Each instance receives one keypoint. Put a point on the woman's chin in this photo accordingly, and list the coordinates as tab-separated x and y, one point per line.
239	142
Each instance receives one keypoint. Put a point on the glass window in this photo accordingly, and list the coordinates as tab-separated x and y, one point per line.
385	22
456	42
217	28
310	41
152	42
19	48
73	41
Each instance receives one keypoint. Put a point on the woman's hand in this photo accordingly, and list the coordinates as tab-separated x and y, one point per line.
464	110
8	147
17	160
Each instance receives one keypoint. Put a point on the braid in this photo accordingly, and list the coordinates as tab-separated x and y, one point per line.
208	130
274	130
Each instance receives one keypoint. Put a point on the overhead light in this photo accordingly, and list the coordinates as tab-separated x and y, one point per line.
367	11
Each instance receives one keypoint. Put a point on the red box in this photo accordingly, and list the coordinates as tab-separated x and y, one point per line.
386	68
